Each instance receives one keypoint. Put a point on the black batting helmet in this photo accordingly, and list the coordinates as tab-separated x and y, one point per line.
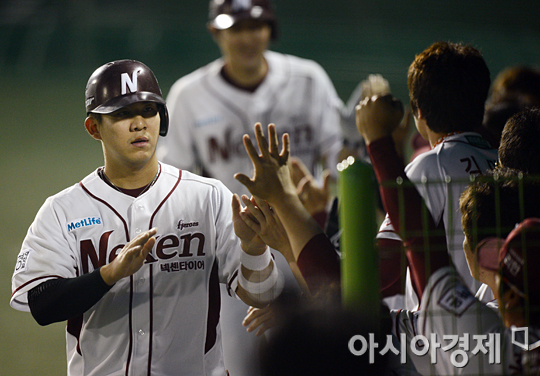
225	13
120	83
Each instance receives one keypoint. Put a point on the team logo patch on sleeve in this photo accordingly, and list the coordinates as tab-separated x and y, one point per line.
457	299
22	261
83	222
479	142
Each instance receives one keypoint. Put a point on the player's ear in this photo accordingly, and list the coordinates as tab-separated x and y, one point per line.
91	125
417	113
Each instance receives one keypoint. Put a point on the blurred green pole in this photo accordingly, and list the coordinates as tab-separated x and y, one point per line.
357	218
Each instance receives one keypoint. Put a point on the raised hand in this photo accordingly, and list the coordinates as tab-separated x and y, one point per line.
378	116
314	197
271	179
262	219
375	84
130	259
272	182
250	241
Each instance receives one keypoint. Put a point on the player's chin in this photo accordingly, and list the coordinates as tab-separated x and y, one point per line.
143	152
252	57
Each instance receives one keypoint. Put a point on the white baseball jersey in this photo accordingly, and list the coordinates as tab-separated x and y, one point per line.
209	116
440	176
464	335
164	320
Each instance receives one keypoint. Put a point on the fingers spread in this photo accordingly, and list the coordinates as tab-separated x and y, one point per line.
274	142
243	179
252	152
285	151
261	140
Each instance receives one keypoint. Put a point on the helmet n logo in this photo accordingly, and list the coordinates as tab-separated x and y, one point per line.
128	82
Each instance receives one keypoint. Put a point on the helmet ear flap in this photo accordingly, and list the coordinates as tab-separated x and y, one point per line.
164	124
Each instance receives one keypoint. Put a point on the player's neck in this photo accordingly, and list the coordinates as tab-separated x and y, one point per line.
245	77
435	138
439	138
488	277
131	177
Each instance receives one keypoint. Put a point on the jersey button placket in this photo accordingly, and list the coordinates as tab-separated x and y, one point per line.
139	220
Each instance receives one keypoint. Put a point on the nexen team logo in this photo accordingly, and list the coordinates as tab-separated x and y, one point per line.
181	224
83	222
178	251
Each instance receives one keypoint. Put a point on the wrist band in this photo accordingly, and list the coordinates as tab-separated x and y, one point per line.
258	262
259	287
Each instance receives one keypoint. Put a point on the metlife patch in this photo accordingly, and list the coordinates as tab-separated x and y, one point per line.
457	299
83	223
22	261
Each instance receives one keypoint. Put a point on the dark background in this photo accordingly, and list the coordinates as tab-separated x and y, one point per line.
48	49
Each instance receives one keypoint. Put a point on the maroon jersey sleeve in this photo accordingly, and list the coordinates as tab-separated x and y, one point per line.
424	242
390	275
319	264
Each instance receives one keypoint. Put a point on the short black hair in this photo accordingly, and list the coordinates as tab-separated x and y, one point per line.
449	83
519	142
493	204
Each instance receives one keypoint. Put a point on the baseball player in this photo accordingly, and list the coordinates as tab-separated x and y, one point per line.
214	106
484	344
133	255
488	342
449	123
454	332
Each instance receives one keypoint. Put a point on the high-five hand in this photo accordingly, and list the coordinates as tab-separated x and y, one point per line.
271	179
130	258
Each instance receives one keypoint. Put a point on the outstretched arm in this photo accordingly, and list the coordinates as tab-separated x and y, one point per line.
314	253
262	219
60	299
130	259
259	280
376	119
272	182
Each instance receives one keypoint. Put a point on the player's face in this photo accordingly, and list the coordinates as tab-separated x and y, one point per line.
130	134
244	44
